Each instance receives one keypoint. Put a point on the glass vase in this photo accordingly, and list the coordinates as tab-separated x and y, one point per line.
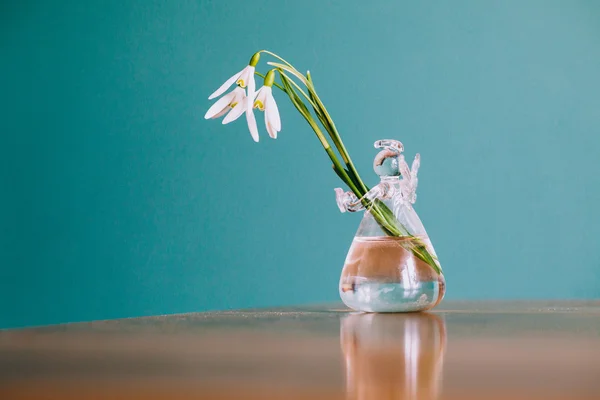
391	265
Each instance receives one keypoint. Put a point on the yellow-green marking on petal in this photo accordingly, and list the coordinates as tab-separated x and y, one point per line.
259	104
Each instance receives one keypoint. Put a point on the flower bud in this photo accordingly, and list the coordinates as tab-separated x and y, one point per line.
270	78
254	59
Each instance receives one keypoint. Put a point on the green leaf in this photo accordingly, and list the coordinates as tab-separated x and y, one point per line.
292	93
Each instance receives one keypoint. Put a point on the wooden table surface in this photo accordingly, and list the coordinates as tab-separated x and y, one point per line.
533	350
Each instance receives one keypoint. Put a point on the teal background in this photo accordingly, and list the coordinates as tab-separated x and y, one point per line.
118	198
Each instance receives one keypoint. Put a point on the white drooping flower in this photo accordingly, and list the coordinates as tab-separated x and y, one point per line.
238	105
236	99
266	102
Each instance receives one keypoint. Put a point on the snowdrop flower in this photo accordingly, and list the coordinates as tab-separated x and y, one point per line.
234	99
244	78
265	102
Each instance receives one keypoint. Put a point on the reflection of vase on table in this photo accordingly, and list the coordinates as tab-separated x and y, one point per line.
393	356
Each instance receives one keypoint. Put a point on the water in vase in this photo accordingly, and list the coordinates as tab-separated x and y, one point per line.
382	274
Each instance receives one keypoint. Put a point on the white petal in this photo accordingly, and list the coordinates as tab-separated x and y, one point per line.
225	111
259	93
252	124
225	86
272	132
251	83
246	75
273	111
240	95
237	111
219	106
249	112
251	94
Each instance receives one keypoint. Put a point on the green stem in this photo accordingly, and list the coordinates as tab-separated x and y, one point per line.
297	102
342	173
381	212
337	139
326	120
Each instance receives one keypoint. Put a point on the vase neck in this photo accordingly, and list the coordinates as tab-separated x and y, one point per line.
390	179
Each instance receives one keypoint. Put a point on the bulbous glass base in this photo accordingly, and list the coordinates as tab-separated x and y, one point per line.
382	274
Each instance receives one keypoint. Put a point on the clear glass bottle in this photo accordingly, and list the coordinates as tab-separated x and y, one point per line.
383	272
